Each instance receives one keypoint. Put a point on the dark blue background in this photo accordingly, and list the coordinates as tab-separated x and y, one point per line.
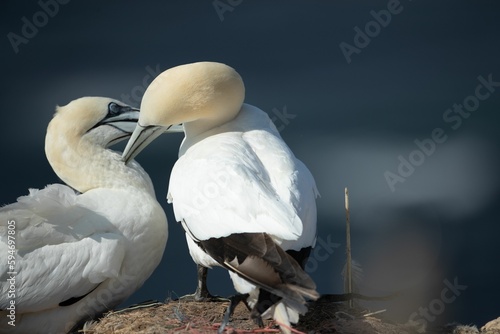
351	123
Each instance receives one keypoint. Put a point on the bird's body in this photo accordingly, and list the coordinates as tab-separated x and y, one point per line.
241	195
78	255
241	177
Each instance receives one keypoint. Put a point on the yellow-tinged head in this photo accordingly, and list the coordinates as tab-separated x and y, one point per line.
88	116
200	95
81	129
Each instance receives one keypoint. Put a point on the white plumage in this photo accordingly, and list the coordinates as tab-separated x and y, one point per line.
241	177
239	192
79	255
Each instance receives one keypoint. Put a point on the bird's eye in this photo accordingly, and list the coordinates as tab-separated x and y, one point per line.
113	109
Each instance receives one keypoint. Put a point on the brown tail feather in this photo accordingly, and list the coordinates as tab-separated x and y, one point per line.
258	259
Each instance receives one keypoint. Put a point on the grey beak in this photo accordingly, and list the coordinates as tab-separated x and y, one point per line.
141	137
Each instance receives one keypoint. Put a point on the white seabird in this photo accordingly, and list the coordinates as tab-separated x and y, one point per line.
78	255
239	192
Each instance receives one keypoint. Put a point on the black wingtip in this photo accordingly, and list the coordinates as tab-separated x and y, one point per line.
258	259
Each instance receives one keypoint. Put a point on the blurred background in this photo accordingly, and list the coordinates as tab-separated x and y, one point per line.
390	99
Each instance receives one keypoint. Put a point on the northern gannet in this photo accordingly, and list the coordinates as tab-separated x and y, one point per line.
244	200
78	255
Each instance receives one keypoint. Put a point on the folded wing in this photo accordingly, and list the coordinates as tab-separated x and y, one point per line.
63	249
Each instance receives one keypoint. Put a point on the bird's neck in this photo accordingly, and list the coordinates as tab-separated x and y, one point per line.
200	129
84	165
197	131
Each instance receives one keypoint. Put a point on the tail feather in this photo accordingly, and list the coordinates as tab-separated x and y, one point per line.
308	293
259	260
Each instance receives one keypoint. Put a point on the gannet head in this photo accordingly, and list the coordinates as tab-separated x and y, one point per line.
81	129
202	95
100	120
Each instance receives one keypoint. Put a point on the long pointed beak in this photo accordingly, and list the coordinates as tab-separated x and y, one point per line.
141	137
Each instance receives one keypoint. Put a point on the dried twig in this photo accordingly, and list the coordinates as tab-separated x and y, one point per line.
348	245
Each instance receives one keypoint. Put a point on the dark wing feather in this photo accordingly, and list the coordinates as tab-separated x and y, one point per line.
258	259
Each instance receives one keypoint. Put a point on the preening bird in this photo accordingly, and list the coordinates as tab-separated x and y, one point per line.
245	202
80	253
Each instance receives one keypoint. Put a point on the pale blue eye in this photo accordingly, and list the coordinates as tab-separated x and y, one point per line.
114	109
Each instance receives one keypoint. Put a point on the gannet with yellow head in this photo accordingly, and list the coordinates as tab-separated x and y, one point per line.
245	202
